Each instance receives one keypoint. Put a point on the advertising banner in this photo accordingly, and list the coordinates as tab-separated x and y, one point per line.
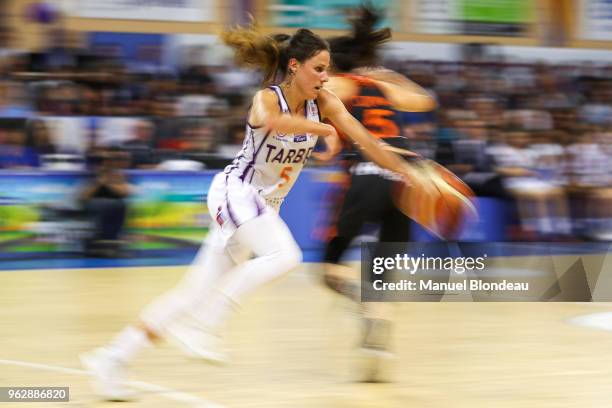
325	14
41	212
595	20
473	17
177	10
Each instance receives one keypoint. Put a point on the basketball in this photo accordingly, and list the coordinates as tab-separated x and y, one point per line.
435	198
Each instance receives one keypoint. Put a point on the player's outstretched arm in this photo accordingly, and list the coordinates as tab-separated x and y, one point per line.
266	112
333	109
404	94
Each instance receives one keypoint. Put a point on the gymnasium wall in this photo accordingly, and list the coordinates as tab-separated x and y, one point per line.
557	23
167	211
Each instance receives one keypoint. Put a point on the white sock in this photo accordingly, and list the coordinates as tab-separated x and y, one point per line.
127	344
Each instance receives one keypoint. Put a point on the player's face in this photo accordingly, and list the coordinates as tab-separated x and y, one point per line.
312	74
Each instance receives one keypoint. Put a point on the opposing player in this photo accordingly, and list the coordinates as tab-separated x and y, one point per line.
282	128
375	97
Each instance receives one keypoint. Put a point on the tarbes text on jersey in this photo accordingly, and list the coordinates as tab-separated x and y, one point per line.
282	155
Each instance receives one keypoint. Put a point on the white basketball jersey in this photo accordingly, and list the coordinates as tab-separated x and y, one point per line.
271	161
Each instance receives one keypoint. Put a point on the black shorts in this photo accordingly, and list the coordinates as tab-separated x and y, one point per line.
367	200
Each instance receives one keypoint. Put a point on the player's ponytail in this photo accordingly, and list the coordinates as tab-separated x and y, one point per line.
359	49
253	49
363	28
271	54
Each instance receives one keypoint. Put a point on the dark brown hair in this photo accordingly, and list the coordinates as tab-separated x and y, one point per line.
360	48
271	54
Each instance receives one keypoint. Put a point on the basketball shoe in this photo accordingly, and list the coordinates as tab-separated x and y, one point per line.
375	355
197	343
107	374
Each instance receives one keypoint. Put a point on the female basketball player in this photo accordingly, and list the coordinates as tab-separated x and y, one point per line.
374	97
282	128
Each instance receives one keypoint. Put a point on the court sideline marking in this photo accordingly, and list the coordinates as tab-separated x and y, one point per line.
165	392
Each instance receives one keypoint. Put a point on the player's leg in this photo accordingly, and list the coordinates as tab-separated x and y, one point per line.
275	254
359	205
376	316
395	228
194	336
107	363
196	287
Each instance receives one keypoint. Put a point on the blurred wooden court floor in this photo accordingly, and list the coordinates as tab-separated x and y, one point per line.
293	343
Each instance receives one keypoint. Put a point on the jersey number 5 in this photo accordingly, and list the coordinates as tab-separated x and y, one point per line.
285	175
376	121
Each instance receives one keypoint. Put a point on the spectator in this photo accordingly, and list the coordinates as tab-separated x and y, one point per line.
13	101
14	152
140	145
104	201
542	206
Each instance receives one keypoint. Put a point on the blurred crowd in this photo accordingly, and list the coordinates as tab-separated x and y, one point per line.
64	104
536	135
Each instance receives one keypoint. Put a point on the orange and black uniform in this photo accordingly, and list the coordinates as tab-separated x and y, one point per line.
368	197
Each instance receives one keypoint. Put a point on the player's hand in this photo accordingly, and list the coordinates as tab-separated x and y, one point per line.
333	146
329	131
416	179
